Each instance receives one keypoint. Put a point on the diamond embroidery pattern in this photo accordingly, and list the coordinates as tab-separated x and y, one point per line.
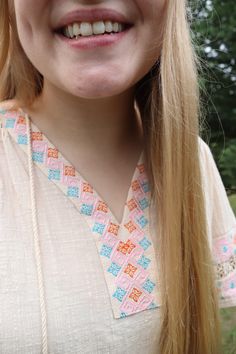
126	251
225	264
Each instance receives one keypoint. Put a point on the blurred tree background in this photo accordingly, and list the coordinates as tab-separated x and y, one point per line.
214	34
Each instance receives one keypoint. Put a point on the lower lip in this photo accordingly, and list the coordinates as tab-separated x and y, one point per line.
94	41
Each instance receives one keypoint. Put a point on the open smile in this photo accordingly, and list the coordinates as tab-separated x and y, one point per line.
92	28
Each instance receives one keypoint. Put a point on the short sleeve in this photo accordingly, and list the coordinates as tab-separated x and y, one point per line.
221	224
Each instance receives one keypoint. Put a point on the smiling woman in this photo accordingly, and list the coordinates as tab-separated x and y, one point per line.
116	235
81	72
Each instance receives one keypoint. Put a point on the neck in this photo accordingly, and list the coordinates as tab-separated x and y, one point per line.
106	124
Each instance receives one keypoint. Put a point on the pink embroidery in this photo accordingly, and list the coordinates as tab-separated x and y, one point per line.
224	251
40	147
225	246
126	251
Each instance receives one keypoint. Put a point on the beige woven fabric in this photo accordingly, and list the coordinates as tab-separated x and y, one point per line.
83	316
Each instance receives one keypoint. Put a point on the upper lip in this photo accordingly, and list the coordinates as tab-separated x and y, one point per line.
91	15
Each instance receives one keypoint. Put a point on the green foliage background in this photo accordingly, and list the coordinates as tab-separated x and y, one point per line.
214	35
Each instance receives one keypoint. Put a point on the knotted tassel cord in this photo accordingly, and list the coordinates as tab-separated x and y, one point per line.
37	250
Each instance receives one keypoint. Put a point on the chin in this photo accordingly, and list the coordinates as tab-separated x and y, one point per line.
98	91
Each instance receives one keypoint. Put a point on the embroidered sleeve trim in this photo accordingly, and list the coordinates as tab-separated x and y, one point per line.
224	253
224	269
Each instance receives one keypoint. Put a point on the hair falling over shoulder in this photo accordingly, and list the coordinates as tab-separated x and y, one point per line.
168	100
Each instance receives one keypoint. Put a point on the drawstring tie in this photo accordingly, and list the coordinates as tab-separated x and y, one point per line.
37	250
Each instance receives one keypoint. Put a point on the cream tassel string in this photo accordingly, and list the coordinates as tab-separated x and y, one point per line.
37	250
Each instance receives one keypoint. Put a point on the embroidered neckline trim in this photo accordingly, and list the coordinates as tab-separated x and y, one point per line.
126	251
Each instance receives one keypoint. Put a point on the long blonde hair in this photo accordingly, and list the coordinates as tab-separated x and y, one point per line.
168	100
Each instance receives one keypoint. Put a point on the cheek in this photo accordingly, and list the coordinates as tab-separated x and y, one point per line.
153	14
28	15
150	33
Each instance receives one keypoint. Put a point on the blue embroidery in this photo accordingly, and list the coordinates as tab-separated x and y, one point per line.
145	243
37	156
119	293
73	191
22	139
54	174
142	221
145	187
86	209
149	285
114	269
106	251
123	314
143	203
152	305
225	248
99	228
10	122
144	261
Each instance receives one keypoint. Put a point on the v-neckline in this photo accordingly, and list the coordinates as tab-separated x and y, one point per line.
80	175
125	249
38	135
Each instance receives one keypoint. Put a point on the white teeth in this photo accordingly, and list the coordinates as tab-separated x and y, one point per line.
70	31
76	29
66	31
108	26
88	29
98	27
115	27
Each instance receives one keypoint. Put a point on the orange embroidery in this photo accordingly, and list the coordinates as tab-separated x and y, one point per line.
135	185
131	204
130	245
21	120
130	226
102	225
113	228
135	294
37	136
125	247
87	188
102	206
53	153
121	247
69	171
130	270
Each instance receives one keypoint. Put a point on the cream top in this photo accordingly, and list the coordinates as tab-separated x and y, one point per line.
74	280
